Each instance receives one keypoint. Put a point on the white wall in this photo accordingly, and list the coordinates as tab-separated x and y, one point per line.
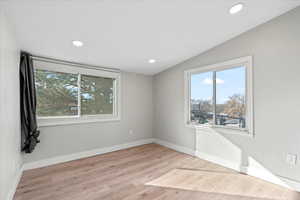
275	47
10	138
136	114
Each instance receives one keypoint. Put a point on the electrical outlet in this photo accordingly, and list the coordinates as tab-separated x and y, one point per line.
130	132
291	159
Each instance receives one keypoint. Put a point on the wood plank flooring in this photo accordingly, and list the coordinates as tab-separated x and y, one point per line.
122	175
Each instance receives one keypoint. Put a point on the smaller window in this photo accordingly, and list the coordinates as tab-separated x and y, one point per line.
220	95
57	93
73	94
231	97
201	110
97	95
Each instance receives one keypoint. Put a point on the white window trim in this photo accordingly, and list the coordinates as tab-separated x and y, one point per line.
78	119
245	61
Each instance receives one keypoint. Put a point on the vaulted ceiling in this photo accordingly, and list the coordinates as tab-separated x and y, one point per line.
125	34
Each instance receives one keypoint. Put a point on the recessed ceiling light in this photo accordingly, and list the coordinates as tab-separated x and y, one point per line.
77	43
236	8
152	61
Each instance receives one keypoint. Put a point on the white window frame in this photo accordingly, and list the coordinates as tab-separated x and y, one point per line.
243	61
45	64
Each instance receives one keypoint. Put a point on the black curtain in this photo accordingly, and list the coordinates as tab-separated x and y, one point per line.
29	132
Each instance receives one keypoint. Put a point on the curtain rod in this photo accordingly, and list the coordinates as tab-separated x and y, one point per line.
75	64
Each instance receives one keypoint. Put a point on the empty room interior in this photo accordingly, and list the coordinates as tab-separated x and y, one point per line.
149	100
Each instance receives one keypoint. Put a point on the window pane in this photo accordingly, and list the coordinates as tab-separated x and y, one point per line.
57	93
97	95
201	98
230	94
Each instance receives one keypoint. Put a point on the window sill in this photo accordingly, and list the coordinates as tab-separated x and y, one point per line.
223	129
71	121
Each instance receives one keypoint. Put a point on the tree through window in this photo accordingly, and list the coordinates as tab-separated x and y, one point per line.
220	95
74	93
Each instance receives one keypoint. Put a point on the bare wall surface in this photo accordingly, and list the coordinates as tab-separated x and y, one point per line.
10	156
136	115
275	47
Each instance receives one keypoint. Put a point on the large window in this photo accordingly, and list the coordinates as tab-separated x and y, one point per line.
69	94
220	95
57	93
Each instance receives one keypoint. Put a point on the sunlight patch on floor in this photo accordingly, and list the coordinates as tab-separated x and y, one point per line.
224	183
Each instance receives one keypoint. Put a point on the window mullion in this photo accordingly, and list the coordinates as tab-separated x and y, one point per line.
214	98
79	95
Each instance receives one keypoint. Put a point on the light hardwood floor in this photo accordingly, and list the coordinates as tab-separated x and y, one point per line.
123	175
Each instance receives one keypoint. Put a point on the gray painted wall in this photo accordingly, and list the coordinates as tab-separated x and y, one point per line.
10	156
136	114
275	47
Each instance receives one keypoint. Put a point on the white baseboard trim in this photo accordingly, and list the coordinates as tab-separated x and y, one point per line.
220	161
291	183
251	171
175	147
273	178
15	184
265	175
84	154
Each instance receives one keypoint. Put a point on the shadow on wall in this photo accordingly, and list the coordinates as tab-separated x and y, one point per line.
217	146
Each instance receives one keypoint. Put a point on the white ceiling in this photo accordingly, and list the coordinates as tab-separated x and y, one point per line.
125	34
